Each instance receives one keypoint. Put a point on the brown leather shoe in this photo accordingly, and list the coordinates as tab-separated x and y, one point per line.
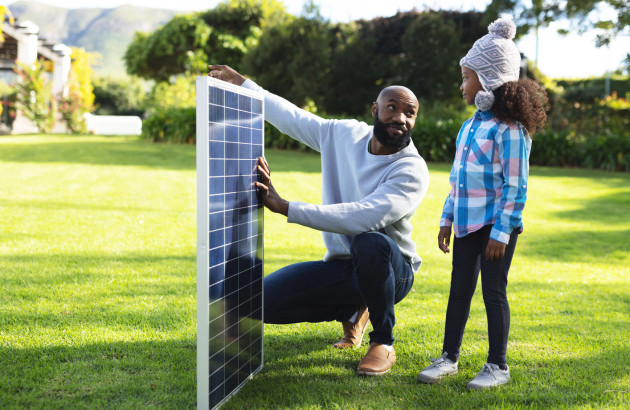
353	331
377	361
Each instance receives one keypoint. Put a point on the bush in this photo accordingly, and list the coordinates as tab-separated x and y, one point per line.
171	125
119	96
34	96
554	149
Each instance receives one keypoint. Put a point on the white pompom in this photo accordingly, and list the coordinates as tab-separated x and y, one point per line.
484	100
503	28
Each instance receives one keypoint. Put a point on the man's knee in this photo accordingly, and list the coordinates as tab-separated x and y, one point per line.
369	244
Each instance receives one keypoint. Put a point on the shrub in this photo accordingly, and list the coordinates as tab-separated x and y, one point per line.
72	110
114	96
34	96
172	125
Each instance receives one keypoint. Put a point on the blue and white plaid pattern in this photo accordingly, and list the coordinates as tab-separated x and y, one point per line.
488	178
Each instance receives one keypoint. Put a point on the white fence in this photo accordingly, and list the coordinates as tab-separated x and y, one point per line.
113	124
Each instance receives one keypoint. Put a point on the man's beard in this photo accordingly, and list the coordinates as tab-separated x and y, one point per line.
382	136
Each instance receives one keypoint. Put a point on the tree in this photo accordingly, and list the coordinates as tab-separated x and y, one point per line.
172	49
188	42
433	49
292	60
584	12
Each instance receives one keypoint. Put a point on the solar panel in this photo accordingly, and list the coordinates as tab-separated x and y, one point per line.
230	135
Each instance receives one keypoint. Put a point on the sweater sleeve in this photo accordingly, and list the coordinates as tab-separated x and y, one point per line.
297	123
398	196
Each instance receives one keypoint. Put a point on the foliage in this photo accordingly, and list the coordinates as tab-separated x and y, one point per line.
79	99
187	42
7	108
171	125
179	93
119	96
343	67
436	129
292	60
584	132
172	49
539	13
430	64
34	96
4	13
587	90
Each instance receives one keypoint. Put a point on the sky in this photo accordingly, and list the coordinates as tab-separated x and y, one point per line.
569	56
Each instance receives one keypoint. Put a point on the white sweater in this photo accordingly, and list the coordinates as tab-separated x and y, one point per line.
361	192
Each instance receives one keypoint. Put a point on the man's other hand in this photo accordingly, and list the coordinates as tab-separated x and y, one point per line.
225	73
268	194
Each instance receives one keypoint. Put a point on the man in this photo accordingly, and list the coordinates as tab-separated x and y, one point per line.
373	180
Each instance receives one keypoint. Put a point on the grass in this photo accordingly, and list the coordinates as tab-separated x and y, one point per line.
98	305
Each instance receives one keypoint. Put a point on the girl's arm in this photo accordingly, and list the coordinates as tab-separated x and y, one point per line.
514	145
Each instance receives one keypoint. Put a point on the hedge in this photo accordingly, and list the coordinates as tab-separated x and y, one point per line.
435	140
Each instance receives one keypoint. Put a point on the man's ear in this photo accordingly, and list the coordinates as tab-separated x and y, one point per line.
374	109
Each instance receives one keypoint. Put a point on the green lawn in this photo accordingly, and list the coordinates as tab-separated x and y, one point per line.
98	297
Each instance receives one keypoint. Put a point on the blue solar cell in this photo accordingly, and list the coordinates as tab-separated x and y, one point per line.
244	103
245	136
231	99
230	339
258	122
257	137
217	167
231	132
216	149
216	95
231	116
216	132
217	114
231	150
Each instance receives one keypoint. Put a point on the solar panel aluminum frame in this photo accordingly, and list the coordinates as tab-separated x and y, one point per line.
203	83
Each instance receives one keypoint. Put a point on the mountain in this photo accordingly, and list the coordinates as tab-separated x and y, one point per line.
106	31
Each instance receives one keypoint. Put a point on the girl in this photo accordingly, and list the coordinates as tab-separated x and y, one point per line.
488	190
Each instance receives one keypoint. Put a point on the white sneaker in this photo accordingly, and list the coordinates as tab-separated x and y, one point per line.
440	368
490	375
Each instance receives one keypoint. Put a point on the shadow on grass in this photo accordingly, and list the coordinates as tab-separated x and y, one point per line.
607	209
133	152
97	151
100	375
608	177
604	247
62	206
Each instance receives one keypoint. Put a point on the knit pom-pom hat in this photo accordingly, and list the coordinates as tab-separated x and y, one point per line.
495	59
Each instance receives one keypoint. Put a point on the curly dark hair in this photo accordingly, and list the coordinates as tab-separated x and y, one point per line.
523	101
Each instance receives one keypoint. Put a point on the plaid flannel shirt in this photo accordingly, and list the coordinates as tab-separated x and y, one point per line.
488	178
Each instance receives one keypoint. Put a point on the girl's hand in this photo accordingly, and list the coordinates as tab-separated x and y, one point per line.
444	239
495	250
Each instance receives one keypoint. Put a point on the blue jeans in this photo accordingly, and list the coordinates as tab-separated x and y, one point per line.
377	276
468	260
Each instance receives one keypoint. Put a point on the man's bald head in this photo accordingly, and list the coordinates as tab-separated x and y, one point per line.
397	90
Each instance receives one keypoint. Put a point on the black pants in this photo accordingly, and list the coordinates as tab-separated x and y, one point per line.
468	260
377	275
